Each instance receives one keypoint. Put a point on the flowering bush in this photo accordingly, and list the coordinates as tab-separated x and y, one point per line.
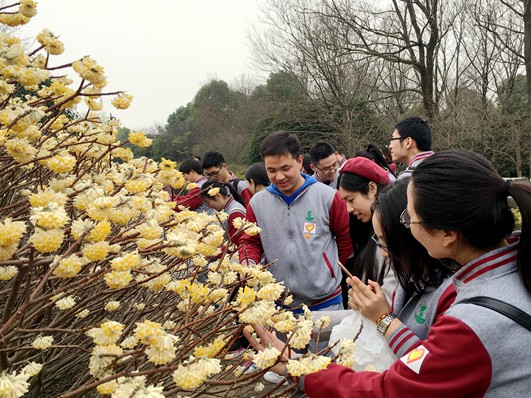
103	285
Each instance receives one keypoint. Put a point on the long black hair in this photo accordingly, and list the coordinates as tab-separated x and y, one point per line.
257	173
414	267
461	191
375	154
364	263
224	189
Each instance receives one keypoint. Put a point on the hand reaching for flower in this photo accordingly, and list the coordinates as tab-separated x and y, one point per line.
269	339
368	299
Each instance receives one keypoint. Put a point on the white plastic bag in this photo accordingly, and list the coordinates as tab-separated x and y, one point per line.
371	346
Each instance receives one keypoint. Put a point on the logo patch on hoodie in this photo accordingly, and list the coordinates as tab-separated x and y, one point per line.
309	228
415	358
420	313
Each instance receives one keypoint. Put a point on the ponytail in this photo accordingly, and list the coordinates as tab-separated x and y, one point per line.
520	191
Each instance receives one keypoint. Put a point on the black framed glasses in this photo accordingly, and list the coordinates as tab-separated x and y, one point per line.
397	138
213	173
329	169
405	219
378	242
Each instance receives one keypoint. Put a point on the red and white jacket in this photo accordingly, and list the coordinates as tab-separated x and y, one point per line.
470	351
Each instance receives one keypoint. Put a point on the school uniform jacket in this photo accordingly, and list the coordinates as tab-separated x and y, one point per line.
414	162
234	209
471	351
193	199
242	188
418	314
306	238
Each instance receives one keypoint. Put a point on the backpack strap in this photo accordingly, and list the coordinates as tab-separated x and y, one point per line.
408	169
509	310
234	191
235	184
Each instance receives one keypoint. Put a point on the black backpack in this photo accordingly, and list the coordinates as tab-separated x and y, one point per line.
233	188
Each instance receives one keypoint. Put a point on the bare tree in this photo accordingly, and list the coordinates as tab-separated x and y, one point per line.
506	25
404	33
298	38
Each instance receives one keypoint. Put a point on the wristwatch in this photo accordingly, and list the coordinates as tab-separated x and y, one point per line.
383	325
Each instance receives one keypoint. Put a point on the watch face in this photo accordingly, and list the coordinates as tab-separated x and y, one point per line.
383	325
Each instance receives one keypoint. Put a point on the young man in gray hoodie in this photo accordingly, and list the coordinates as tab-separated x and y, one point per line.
305	228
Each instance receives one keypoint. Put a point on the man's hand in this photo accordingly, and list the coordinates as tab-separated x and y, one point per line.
268	338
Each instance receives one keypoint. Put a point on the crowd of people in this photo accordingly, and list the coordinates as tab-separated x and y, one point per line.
431	255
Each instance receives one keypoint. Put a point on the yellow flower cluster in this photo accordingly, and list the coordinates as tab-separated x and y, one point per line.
46	38
137	186
246	296
51	216
248	227
112	306
100	231
139	139
148	332
118	279
8	272
65	302
89	70
167	164
271	291
47	241
60	163
284	322
122	101
96	251
173	178
44	198
302	334
108	333
12	232
42	342
180	243
15	385
210	350
126	262
13	19
133	387
307	364
322	322
213	191
150	229
101	359
162	350
266	358
189	377
20	150
69	267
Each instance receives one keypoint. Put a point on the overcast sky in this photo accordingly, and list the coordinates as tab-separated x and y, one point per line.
160	51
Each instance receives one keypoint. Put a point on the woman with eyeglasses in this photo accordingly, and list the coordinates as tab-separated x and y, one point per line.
359	183
424	291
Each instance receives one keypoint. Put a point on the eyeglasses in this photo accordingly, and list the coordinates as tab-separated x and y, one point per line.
329	169
378	242
406	219
213	173
397	138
